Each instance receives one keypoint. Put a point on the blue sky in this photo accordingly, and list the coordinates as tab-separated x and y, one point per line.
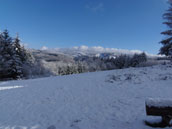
125	24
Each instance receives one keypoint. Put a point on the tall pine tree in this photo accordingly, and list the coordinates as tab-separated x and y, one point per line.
14	58
167	42
5	55
17	65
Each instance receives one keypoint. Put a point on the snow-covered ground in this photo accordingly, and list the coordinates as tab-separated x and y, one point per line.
101	100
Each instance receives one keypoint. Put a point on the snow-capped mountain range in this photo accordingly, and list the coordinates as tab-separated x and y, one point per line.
93	51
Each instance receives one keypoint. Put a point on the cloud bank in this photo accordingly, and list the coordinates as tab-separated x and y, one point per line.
100	49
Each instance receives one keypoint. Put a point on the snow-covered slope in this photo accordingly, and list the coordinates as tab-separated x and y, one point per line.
100	100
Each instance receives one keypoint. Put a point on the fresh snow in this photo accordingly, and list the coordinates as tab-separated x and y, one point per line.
101	100
159	102
10	87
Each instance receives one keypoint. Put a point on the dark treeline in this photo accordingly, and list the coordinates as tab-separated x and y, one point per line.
92	64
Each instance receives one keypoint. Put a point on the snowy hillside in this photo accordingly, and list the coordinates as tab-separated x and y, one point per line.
101	100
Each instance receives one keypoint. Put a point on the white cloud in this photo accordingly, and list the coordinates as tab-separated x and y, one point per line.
83	48
95	7
75	47
100	49
44	48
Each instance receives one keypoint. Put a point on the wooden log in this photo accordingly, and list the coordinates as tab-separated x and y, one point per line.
159	107
158	111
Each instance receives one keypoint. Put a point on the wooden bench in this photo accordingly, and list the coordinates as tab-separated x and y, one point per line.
160	107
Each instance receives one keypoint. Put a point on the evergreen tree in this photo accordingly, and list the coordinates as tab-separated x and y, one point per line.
13	57
17	64
25	56
138	58
167	42
120	61
6	52
80	68
23	59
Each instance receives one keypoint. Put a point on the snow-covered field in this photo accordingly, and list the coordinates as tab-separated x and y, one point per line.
101	100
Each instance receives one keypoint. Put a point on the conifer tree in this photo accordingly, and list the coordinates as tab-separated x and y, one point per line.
24	59
14	58
166	49
5	55
17	65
